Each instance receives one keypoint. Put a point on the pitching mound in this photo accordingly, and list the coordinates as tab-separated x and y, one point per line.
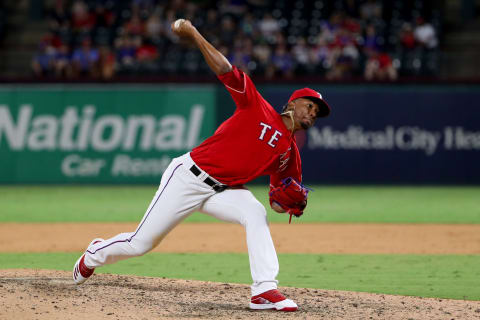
46	294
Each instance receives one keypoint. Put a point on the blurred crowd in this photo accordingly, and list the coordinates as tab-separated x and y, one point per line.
273	39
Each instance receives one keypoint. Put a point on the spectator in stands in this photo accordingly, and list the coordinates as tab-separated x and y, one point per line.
282	62
425	35
82	19
301	55
330	27
248	52
344	54
241	55
106	63
42	64
407	37
104	16
135	26
126	52
146	54
52	39
353	26
85	59
371	41
228	31
342	66
268	26
153	26
380	67
61	62
248	25
320	56
262	55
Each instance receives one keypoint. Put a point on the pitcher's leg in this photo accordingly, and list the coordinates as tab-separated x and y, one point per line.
240	206
174	201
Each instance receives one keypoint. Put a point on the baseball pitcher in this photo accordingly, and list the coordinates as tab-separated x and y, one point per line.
253	142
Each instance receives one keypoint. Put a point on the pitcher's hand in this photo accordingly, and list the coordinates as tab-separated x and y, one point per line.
183	28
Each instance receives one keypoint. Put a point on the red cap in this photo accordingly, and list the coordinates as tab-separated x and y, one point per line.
323	107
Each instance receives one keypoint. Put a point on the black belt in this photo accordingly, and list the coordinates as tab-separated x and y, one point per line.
218	187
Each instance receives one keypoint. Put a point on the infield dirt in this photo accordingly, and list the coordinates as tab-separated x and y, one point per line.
47	294
221	237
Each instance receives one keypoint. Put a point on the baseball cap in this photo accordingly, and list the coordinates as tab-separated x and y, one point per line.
324	108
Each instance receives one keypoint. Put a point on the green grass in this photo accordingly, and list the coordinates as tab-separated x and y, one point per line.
442	276
379	204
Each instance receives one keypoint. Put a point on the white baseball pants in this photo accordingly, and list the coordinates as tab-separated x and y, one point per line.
180	193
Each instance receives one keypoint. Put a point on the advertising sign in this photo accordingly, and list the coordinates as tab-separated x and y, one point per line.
392	134
121	134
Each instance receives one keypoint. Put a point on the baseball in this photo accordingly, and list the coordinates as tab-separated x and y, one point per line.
178	22
275	206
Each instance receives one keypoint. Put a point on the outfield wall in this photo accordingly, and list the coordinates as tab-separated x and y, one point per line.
394	134
129	133
88	134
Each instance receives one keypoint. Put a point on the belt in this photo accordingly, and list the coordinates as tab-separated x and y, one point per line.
218	187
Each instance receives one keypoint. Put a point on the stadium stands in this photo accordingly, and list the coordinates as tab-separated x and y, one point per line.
337	39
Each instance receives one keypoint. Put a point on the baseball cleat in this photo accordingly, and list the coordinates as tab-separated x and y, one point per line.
80	271
272	299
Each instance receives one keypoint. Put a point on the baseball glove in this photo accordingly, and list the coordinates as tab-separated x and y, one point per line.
291	196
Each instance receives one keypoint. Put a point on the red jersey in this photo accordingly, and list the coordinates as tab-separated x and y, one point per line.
253	142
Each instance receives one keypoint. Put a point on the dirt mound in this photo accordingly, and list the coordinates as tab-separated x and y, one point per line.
46	294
